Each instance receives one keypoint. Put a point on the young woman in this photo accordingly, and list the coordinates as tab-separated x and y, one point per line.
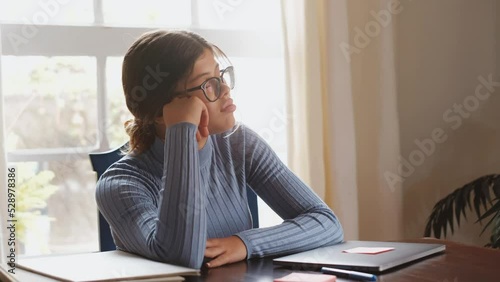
179	195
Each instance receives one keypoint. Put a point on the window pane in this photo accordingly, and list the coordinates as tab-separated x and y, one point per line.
264	91
240	14
39	12
73	206
118	112
56	210
50	101
147	12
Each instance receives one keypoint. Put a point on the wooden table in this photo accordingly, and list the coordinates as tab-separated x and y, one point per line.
459	263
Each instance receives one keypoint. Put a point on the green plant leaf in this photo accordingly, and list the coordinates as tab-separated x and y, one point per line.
448	215
487	199
437	227
428	226
495	242
496	186
477	203
481	189
486	225
496	226
468	201
493	209
460	205
495	234
483	193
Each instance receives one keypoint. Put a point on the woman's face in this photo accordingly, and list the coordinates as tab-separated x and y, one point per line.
220	112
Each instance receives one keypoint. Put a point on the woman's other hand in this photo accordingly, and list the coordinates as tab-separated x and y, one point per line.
225	250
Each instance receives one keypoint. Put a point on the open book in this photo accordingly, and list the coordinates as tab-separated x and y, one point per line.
103	266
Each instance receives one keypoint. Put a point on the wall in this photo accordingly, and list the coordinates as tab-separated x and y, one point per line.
442	49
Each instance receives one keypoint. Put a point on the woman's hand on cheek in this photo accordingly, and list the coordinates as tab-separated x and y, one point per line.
202	132
187	109
225	250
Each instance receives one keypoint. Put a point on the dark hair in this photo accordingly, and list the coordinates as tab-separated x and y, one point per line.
152	68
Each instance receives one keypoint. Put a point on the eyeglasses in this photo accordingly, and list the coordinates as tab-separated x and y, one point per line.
212	88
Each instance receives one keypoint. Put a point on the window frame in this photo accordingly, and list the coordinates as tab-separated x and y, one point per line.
79	42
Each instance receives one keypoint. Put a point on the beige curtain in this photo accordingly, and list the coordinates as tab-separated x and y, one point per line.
343	135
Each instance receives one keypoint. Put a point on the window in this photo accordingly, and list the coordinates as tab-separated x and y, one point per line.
61	86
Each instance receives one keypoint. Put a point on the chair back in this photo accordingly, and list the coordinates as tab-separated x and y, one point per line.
100	163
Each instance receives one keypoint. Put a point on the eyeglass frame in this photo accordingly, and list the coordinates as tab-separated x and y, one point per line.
220	79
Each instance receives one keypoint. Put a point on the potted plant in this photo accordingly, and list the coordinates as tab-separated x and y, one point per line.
32	193
484	193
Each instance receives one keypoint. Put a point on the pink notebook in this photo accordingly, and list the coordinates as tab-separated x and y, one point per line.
309	277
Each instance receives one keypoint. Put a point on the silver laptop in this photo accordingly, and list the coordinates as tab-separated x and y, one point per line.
335	256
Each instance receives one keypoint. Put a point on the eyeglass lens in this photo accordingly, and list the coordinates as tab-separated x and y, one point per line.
213	88
228	77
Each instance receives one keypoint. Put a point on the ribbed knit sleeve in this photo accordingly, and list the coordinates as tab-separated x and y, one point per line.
308	222
169	225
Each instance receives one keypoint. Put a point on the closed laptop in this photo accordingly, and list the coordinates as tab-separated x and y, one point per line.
369	256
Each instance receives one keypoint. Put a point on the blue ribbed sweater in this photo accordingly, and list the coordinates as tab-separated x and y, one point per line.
166	202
